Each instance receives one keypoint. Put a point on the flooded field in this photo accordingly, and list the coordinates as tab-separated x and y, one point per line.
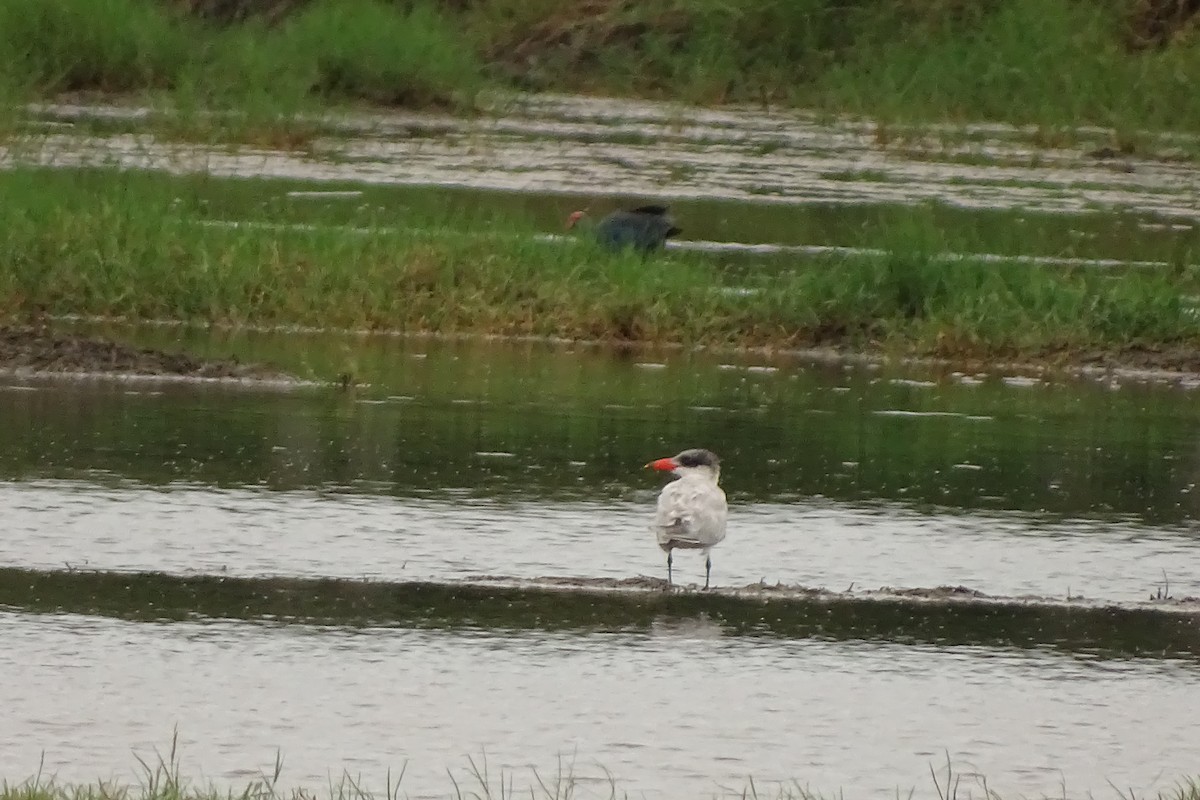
459	460
430	551
736	178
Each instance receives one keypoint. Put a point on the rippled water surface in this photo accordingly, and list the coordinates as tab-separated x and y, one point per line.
526	460
523	460
678	711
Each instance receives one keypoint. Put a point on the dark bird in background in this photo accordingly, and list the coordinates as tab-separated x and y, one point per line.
645	228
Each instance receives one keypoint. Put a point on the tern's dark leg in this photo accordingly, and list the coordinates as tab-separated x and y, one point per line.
707	570
669	568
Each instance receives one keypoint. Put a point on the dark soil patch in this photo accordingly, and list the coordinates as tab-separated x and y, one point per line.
1154	23
581	33
230	11
39	350
938	593
227	12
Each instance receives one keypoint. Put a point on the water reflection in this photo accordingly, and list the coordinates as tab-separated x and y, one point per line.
578	425
526	460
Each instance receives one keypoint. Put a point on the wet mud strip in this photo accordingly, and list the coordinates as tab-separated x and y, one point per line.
941	616
39	351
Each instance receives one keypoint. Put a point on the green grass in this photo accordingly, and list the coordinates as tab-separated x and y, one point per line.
1053	63
1028	61
131	245
332	50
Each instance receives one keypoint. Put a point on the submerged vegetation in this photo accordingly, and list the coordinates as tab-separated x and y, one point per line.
1127	64
145	246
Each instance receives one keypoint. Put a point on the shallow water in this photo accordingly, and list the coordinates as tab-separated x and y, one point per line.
679	710
183	529
463	459
527	460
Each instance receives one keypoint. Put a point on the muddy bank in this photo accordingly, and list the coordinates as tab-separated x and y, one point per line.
1138	362
1177	364
39	350
943	616
793	592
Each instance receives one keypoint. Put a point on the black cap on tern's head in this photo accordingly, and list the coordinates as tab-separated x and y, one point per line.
698	457
695	457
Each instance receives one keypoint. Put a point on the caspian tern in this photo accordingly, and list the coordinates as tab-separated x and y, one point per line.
692	509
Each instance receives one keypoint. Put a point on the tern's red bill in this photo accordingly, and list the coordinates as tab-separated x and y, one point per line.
664	464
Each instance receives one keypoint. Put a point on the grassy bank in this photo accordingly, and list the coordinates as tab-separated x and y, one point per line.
1121	63
136	245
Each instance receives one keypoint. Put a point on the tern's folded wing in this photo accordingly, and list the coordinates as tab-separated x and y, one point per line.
691	514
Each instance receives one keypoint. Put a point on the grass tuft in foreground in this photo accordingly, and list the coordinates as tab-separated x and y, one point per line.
163	780
137	246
